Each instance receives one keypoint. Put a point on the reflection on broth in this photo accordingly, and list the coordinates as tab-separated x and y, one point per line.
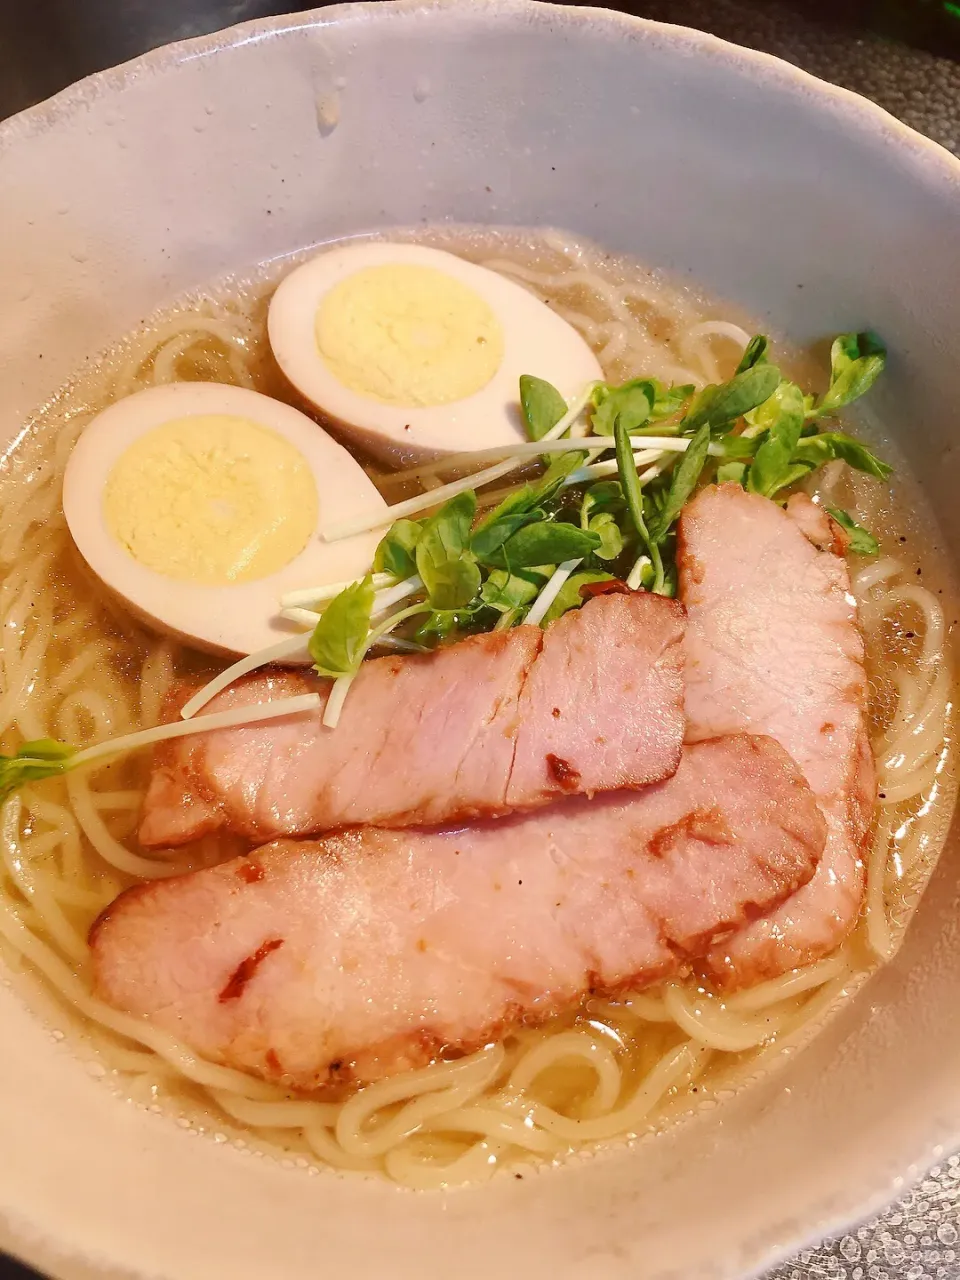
78	668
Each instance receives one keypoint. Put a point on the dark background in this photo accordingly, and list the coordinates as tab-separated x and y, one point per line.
905	54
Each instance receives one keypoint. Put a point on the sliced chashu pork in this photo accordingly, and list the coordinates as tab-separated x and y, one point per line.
347	959
773	647
499	722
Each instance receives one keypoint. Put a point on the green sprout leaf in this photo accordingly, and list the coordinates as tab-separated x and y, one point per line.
438	626
396	552
43	758
754	353
506	591
548	542
552	480
524	506
814	451
633	492
856	362
636	403
683	482
720	406
731	473
631	404
781	417
490	536
339	639
605	526
862	542
669	400
605	495
569	597
445	562
542	406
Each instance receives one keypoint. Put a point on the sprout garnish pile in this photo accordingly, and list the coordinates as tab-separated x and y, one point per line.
603	509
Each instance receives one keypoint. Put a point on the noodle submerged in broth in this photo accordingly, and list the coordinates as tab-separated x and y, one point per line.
75	667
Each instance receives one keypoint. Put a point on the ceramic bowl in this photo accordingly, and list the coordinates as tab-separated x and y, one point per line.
798	201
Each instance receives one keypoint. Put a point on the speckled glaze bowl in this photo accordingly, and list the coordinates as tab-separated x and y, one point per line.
799	201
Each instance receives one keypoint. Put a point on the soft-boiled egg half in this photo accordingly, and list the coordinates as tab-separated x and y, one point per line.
199	505
414	352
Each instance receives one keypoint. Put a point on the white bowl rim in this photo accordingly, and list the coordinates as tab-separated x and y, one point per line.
929	162
876	120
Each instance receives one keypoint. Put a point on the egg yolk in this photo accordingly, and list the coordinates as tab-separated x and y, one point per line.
409	336
211	499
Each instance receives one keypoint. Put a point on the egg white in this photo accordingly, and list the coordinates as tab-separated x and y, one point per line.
536	341
239	618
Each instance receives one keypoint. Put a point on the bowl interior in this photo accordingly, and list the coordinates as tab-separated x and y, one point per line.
806	206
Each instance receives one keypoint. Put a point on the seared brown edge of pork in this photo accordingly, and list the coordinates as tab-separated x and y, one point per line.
181	760
421	1046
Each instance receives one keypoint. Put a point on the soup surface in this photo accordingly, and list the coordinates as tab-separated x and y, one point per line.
76	667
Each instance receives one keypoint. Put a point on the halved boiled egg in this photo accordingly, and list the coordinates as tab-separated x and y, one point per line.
199	505
414	352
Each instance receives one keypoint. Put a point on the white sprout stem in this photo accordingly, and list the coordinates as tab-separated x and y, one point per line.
294	645
534	448
386	627
401	646
288	648
599	470
423	501
331	712
413	506
382	600
675	444
525	449
302	617
608	467
635	576
341	686
316	595
204	724
408	587
550	592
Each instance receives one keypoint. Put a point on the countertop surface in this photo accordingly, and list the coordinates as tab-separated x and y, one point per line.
46	44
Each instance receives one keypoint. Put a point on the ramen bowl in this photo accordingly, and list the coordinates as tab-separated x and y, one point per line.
805	205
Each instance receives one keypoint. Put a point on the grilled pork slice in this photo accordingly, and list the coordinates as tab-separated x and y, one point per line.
347	959
498	722
773	647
